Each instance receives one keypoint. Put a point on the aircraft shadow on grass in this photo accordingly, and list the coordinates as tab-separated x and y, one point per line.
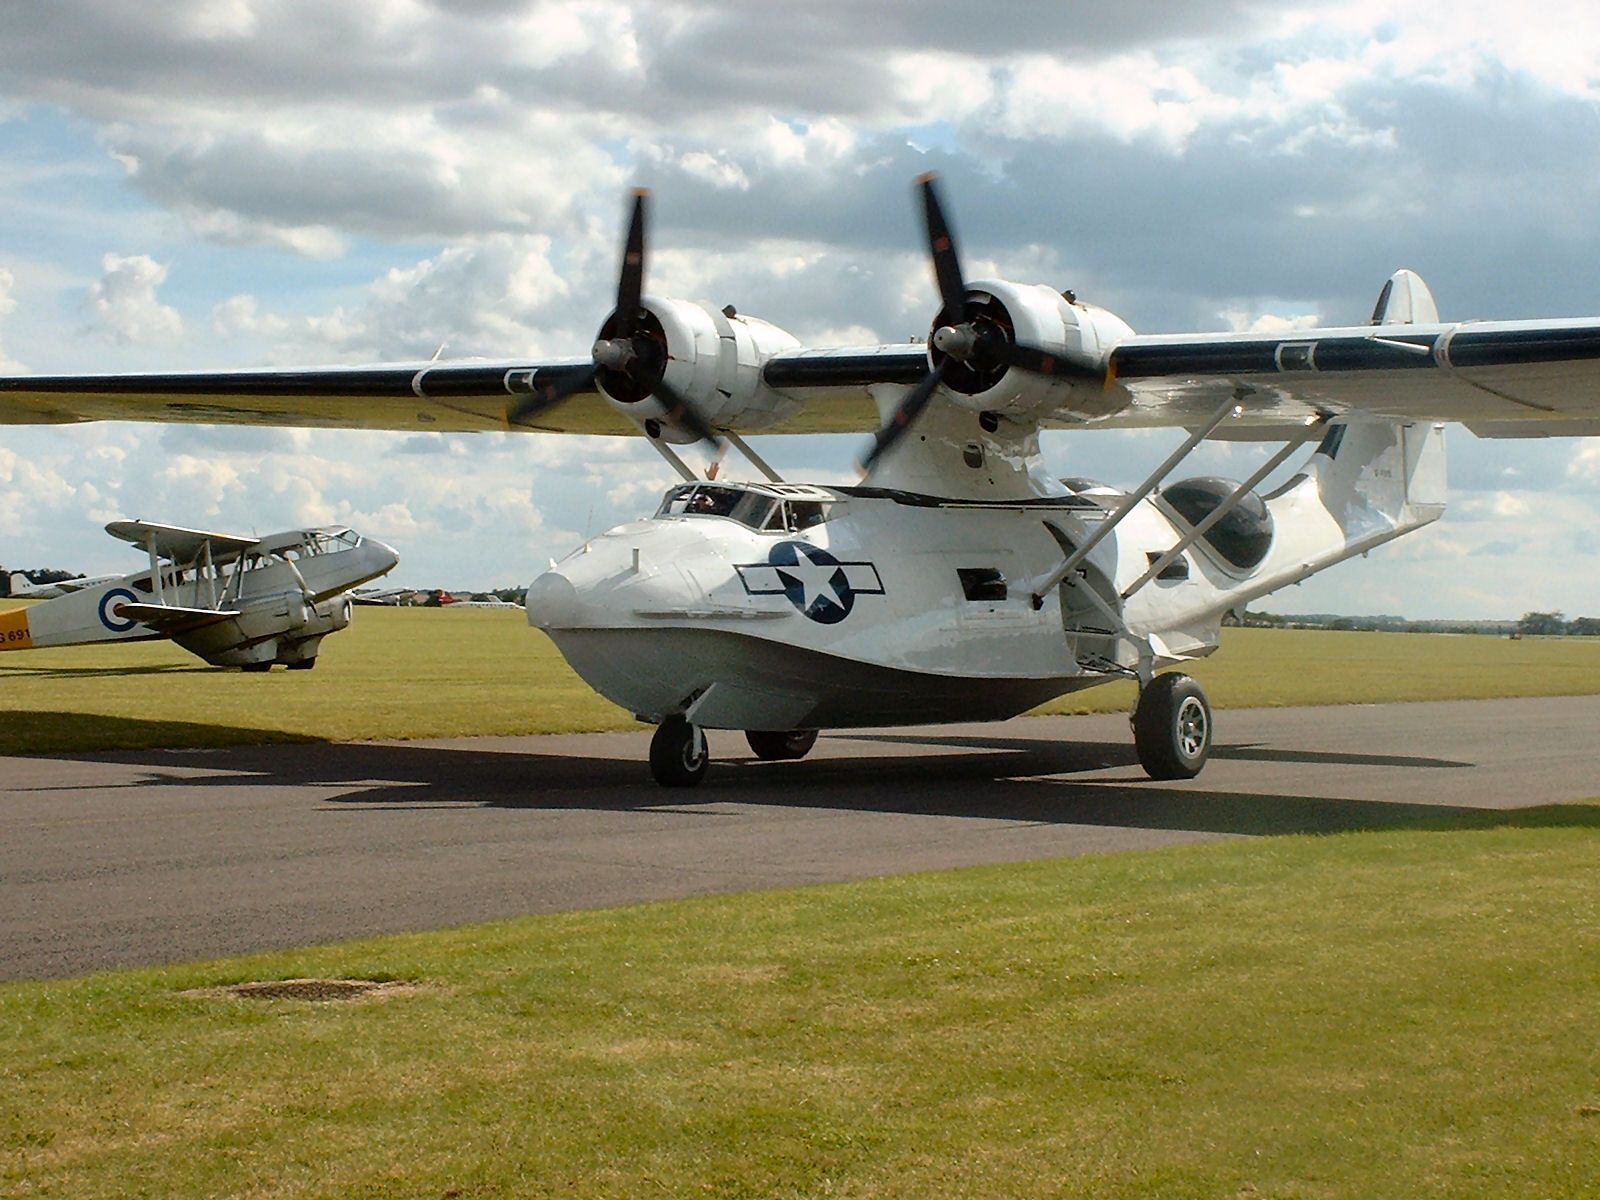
987	777
37	672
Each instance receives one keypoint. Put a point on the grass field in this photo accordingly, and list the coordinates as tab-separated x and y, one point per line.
407	673
1403	1013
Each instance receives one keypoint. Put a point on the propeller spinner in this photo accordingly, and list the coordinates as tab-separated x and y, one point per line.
629	357
973	343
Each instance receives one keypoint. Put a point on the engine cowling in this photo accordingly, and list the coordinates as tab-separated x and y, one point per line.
1038	316
712	357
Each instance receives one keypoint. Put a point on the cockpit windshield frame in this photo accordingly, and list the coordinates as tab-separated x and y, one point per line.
754	508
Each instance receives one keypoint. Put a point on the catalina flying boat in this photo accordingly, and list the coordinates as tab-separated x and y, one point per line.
242	602
960	580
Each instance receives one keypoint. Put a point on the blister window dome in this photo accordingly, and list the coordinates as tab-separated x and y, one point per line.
1243	536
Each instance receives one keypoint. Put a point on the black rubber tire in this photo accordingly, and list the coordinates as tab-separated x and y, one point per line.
775	746
1172	727
678	754
304	664
266	666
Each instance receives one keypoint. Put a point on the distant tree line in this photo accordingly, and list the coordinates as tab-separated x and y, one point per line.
1533	624
1554	624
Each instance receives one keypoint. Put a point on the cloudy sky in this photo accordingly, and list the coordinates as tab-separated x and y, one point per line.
211	183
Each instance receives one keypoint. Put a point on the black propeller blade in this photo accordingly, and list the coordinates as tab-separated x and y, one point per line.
963	333
681	412
548	395
629	355
910	406
1042	362
630	285
942	248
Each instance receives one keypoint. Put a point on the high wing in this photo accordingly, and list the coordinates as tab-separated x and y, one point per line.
438	397
177	543
689	372
1503	379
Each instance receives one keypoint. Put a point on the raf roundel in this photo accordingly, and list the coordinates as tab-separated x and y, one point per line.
822	587
109	603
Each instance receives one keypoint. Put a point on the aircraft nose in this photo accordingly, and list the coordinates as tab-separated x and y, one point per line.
384	553
552	602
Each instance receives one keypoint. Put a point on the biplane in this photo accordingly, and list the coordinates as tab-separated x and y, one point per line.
961	580
234	601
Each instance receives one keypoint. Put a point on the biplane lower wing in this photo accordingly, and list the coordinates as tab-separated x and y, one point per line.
171	620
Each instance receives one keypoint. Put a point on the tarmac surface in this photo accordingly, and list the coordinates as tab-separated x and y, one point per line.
118	859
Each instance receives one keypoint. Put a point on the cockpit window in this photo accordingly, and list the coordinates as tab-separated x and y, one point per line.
803	514
320	541
757	510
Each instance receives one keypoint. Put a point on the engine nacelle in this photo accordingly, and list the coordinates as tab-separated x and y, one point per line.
714	360
1038	316
328	616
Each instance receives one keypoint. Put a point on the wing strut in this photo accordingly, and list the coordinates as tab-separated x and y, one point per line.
684	470
1042	588
755	460
155	569
1312	426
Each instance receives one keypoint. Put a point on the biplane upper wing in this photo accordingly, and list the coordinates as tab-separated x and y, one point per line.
177	543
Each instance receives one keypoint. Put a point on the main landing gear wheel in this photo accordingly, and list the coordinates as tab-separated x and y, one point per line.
773	746
1172	727
304	664
264	666
678	753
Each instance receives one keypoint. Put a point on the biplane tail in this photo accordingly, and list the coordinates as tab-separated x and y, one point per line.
93	614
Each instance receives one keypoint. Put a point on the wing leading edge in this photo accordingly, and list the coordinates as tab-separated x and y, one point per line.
1511	378
1517	378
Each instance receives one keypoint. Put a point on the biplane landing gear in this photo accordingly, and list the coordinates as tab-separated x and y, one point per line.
256	666
1172	727
302	664
773	746
678	753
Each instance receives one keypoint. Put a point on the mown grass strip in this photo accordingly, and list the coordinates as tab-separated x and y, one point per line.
409	673
1399	1013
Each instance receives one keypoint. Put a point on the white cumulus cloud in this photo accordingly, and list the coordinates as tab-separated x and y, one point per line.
123	303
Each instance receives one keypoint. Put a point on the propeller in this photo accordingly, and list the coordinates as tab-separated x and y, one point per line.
629	357
973	343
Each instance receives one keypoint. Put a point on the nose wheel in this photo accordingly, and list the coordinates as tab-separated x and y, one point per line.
678	753
1172	727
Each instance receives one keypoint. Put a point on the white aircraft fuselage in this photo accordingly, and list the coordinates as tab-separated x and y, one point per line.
779	607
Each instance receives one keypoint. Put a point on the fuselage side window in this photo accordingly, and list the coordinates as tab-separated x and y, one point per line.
803	514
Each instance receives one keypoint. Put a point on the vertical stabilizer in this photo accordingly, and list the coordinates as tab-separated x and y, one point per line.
1405	300
1365	484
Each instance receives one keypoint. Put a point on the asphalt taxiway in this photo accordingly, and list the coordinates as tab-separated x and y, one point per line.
118	859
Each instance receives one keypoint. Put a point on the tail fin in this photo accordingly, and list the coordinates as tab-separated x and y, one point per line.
1365	484
1405	300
